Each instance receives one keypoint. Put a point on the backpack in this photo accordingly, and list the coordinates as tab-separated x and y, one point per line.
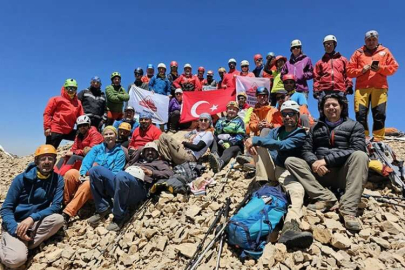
249	228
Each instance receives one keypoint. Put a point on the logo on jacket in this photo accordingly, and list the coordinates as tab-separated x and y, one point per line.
148	103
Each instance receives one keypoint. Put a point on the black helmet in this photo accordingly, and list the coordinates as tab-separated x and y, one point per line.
139	70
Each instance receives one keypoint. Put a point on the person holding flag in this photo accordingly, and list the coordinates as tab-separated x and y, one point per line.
160	84
187	81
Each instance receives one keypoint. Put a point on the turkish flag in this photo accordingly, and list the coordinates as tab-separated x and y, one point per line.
212	102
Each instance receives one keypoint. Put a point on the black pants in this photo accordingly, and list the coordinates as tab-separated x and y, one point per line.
174	121
56	138
228	153
71	161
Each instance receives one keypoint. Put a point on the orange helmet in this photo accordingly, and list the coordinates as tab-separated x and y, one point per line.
173	64
257	57
45	149
289	77
201	69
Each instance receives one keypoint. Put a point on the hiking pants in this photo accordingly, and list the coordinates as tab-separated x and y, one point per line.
377	99
129	191
75	193
14	251
56	138
267	170
174	120
227	153
351	176
171	150
102	187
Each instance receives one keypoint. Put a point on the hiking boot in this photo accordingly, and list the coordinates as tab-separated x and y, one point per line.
323	206
351	223
97	217
292	236
216	163
243	159
66	218
115	225
248	167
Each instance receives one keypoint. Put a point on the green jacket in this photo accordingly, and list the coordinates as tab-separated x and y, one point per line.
115	98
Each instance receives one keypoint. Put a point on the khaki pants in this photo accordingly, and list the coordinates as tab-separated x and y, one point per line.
13	251
75	193
267	170
173	151
351	176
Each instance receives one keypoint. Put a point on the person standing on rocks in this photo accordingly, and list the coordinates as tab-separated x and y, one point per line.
105	157
127	188
334	154
61	113
270	154
30	212
116	96
371	65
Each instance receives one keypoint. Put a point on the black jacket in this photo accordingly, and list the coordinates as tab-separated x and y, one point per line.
93	102
335	146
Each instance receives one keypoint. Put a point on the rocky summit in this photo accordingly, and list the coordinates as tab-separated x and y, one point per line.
166	233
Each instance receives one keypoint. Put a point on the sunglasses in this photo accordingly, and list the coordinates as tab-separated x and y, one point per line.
71	88
143	119
290	114
84	125
204	120
259	60
241	98
295	47
244	66
280	97
179	94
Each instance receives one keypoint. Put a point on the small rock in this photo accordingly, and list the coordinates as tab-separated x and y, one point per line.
340	241
193	211
186	249
53	256
101	231
365	233
327	250
391	227
381	242
267	260
162	243
149	233
298	257
373	264
333	224
322	235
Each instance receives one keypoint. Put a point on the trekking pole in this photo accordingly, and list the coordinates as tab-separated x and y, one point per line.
382	200
210	229
383	197
221	244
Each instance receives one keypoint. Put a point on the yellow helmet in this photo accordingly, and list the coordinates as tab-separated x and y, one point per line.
232	104
125	126
45	149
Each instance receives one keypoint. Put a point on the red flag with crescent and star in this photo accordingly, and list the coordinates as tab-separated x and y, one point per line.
198	102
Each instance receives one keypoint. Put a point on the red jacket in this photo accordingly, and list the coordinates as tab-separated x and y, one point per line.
92	138
141	137
61	113
371	79
188	83
330	73
229	80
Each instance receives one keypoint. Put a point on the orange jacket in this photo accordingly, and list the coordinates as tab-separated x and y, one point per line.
304	110
371	79
268	113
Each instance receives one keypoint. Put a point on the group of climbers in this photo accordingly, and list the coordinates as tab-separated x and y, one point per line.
118	166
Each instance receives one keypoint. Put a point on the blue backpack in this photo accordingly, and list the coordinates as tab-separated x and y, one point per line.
249	228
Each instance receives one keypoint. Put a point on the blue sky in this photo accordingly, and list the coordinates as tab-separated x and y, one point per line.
45	42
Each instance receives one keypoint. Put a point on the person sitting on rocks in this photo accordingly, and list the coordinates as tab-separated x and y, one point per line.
87	137
124	131
270	154
30	211
197	143
334	155
105	157
229	134
127	188
263	117
146	132
129	117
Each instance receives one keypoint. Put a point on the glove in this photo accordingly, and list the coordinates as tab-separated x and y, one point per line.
349	90
224	137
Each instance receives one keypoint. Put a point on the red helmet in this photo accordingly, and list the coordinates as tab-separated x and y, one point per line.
201	69
174	64
257	56
289	77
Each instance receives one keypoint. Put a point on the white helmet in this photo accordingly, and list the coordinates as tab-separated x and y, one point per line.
244	63
295	43
83	119
371	33
232	60
290	105
330	38
151	145
136	172
187	66
161	65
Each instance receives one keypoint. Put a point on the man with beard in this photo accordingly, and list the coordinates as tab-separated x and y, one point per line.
210	79
187	81
221	73
129	117
132	185
30	212
146	132
94	103
229	78
124	132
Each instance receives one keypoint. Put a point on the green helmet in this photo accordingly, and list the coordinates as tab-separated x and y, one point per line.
115	74
70	83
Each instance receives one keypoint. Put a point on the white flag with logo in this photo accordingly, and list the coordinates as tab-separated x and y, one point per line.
146	101
249	86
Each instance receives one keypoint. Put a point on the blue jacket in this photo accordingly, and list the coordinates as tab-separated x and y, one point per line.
114	160
135	124
291	146
30	196
160	85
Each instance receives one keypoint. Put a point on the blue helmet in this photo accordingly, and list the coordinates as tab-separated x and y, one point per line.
96	79
150	66
261	90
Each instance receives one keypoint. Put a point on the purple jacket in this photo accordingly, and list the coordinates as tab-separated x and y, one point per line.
174	105
301	68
